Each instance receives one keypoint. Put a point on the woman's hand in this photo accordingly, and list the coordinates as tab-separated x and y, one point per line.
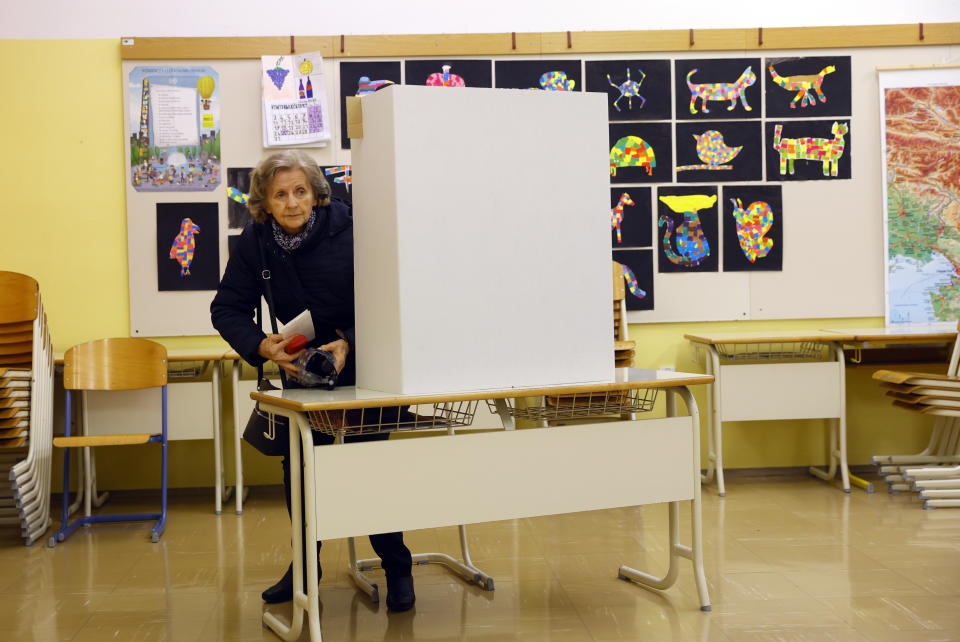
272	348
339	349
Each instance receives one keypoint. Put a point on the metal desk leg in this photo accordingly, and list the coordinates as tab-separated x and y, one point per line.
239	490
694	552
217	434
714	423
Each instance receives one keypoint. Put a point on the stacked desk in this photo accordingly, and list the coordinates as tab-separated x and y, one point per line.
454	479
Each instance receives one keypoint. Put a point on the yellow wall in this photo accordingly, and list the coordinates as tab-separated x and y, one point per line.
63	222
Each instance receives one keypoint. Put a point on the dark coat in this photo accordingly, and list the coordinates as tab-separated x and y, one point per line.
318	275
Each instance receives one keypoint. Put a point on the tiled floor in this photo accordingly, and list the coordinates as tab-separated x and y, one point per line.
786	559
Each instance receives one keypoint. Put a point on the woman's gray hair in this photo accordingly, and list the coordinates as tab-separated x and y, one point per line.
266	170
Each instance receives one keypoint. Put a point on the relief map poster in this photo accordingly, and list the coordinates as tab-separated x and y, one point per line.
921	132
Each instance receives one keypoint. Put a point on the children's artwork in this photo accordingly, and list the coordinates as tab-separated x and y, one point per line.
547	75
637	276
637	89
188	240
752	228
805	150
360	78
446	72
719	151
717	88
631	217
641	153
807	87
688	226
340	178
238	189
294	101
174	128
920	118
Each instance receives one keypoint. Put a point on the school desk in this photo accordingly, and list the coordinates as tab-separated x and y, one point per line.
477	477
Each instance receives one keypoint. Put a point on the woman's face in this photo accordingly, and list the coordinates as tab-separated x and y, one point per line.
290	199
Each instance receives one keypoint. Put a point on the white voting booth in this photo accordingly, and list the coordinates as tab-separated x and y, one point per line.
482	249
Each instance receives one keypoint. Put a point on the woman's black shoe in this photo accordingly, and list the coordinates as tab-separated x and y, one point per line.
282	591
400	596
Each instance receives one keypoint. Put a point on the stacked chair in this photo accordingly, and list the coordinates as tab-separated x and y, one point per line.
111	364
935	471
26	407
623	348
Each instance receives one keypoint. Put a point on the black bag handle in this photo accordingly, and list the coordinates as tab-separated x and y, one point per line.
262	382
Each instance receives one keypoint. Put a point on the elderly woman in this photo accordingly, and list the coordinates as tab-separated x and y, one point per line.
305	240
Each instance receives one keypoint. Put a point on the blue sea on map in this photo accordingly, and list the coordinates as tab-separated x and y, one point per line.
910	283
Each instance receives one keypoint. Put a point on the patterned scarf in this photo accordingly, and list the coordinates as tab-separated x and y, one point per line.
291	242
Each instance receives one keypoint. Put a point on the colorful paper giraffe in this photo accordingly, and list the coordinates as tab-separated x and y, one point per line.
712	151
692	244
632	284
802	85
616	214
629	89
632	151
721	91
184	245
825	150
752	224
346	180
445	79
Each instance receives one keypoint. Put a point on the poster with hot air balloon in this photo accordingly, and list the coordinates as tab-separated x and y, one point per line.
174	128
294	101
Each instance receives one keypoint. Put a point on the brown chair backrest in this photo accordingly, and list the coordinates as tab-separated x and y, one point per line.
121	363
19	297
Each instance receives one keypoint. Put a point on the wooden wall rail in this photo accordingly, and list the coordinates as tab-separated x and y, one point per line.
562	42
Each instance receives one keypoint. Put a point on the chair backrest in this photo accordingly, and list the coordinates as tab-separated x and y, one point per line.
19	298
121	363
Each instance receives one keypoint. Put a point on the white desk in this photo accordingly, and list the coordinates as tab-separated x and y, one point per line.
477	477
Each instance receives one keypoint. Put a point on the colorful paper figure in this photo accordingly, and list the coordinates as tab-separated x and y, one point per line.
184	244
712	151
632	284
721	91
802	85
445	79
629	89
632	151
366	86
616	214
346	180
556	81
278	74
692	244
236	195
752	224
826	150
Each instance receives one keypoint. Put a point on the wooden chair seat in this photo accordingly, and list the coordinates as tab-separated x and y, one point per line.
17	442
917	378
9	433
16	328
81	441
10	413
624	345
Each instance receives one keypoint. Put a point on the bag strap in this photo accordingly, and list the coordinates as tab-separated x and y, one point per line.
263	383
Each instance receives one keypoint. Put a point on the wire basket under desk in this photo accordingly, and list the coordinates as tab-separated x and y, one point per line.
368	421
773	351
580	406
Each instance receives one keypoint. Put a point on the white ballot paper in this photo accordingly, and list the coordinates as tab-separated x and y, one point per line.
300	324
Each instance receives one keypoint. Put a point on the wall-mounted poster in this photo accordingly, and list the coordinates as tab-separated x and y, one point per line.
752	228
238	189
641	153
637	89
717	88
688	226
807	87
631	217
637	276
920	118
294	101
444	72
808	150
719	151
174	128
188	246
361	78
340	178
548	75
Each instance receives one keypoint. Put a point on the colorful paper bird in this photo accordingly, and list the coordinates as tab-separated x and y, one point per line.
184	245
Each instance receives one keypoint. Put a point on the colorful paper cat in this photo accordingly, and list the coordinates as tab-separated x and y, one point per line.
721	91
752	224
802	85
692	244
826	150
